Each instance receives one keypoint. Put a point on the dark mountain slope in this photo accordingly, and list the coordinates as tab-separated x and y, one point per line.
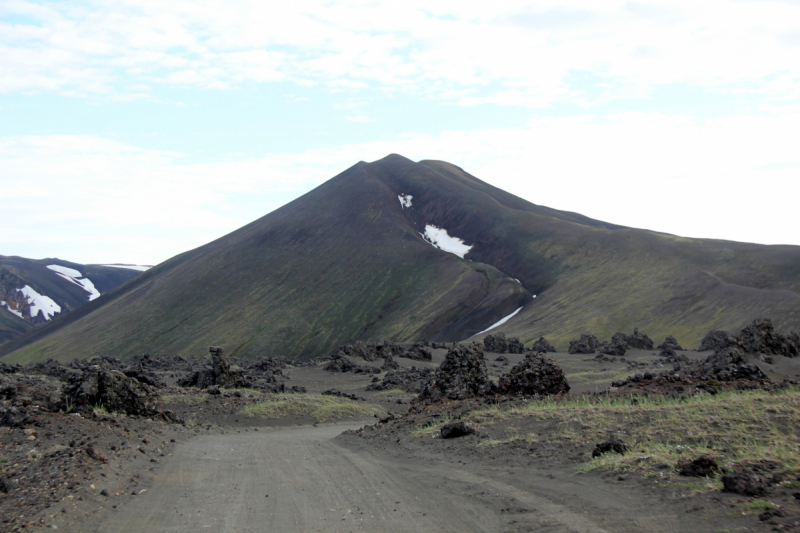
347	260
33	291
12	326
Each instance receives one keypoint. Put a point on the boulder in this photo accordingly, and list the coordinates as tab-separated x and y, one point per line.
461	375
515	346
703	466
418	352
716	340
761	337
609	446
542	346
618	345
587	344
496	343
340	363
744	482
536	375
670	344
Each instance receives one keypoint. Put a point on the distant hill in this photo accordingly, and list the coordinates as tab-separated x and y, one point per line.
355	258
33	292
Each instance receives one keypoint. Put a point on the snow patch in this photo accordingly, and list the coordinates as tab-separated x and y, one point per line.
12	310
40	302
405	201
499	322
439	238
72	275
140	268
71	272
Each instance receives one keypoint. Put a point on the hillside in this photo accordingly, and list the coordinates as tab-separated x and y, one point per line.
33	292
350	259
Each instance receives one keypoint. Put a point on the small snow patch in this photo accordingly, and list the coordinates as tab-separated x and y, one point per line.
12	310
140	268
439	238
40	302
74	276
405	201
499	322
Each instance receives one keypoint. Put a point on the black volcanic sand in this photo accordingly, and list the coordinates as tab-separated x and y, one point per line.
84	473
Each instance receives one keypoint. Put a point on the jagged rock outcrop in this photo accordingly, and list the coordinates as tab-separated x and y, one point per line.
461	375
114	391
542	346
618	345
515	346
496	343
716	340
761	337
340	363
220	373
587	344
669	347
418	352
535	375
639	341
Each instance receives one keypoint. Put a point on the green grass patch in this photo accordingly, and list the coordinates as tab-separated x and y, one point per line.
732	427
316	406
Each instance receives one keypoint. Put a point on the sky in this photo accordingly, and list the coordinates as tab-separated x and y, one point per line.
131	131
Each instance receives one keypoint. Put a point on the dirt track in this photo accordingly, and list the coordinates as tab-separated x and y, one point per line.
298	479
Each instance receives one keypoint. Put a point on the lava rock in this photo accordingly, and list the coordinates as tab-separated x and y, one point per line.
716	340
116	392
542	346
515	346
609	446
461	375
418	352
744	482
496	343
535	375
703	466
389	364
457	429
639	341
587	344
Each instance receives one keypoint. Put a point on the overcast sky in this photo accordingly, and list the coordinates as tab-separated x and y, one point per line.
131	131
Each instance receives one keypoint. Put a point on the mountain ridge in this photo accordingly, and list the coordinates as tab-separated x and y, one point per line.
349	260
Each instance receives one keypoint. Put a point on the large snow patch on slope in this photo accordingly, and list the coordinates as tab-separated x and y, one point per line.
72	275
40	302
440	239
140	268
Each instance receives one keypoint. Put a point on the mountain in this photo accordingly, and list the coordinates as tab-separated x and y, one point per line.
355	258
33	292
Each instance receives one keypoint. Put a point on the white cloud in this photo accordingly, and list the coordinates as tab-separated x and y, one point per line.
90	199
507	52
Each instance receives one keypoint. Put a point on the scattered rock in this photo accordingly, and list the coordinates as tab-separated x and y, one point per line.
96	454
457	429
535	375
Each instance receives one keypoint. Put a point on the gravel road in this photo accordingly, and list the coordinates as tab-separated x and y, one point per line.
298	479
